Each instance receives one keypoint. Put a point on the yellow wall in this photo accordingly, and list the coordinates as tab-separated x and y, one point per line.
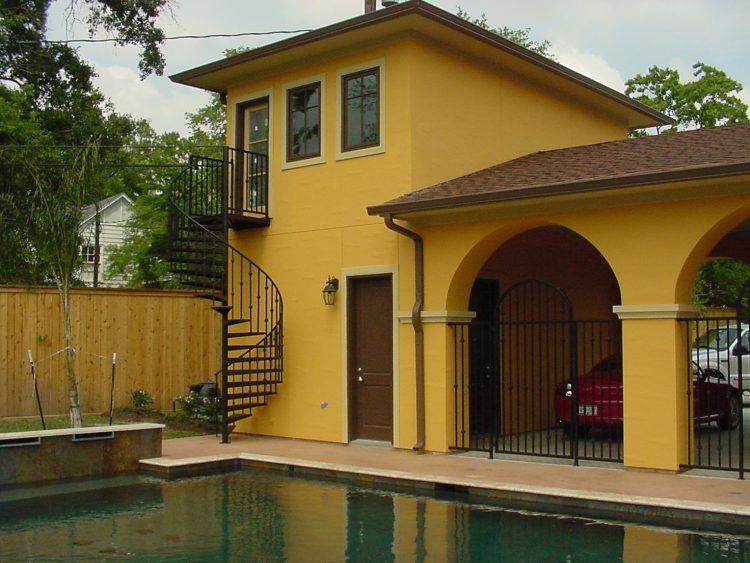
319	222
445	115
469	115
654	250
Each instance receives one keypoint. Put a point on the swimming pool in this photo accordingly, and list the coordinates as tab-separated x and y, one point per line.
270	516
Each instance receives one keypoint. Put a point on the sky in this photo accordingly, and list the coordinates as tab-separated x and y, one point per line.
607	40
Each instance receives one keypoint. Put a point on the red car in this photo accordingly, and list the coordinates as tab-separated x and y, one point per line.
600	398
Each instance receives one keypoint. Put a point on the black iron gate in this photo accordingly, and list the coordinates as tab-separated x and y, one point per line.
536	381
718	378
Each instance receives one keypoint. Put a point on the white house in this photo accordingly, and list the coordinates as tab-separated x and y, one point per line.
114	213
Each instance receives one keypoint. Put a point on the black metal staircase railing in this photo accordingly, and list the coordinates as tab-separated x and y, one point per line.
201	258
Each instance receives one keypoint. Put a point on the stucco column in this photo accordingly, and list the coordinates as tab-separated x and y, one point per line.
439	376
655	405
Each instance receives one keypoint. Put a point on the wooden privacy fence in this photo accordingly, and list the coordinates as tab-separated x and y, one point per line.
165	340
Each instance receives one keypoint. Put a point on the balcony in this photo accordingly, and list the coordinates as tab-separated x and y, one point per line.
246	176
234	185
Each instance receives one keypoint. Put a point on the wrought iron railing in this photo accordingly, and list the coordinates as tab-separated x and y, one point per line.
527	388
249	301
716	379
247	174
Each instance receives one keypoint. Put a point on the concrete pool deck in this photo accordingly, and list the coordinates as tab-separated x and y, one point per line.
691	501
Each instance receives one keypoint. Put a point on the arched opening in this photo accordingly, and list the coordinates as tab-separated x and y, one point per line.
718	347
541	371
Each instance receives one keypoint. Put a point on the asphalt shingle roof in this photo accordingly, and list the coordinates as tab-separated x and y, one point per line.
701	153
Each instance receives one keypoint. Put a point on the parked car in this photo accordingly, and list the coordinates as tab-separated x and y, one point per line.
600	398
726	351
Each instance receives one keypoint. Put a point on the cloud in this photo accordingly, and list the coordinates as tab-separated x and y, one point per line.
165	108
589	64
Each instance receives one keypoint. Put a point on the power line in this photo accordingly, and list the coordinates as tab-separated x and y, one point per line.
171	38
147	147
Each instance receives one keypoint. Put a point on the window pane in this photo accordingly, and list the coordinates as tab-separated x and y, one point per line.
298	121
312	145
370	119
298	100
258	124
260	147
313	97
353	87
369	84
354	122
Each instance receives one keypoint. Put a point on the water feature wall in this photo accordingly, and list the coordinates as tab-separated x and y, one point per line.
27	457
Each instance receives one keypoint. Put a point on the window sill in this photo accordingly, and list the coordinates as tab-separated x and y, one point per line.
288	165
369	151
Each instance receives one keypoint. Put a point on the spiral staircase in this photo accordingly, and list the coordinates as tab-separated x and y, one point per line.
207	198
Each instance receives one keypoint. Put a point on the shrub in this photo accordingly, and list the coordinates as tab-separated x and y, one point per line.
140	400
195	406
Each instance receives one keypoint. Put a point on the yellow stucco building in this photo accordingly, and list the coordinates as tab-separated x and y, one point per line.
406	154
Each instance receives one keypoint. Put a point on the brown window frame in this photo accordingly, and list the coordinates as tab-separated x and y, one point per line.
344	99
289	92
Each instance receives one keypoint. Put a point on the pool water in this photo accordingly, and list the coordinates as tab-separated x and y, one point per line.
268	516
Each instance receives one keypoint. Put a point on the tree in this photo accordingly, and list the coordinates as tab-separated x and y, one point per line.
521	37
707	101
54	210
142	258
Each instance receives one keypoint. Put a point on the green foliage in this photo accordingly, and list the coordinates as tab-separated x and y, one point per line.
521	37
141	259
720	283
140	400
133	22
200	408
708	100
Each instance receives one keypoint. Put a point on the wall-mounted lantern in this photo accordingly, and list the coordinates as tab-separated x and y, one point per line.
329	290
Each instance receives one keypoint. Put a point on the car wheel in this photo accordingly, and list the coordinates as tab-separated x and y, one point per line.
733	414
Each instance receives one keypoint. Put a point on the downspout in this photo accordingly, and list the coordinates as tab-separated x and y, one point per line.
416	321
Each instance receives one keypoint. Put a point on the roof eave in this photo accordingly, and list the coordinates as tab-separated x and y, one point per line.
566	188
427	10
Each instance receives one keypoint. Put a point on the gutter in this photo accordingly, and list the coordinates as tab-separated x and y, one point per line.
416	321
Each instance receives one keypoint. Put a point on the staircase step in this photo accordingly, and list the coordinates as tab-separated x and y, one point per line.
247	359
200	261
233	384
251	395
208	219
203	238
250	371
240	347
232	322
198	273
191	228
243	334
213	250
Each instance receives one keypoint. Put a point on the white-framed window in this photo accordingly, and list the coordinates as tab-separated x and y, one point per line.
88	253
361	110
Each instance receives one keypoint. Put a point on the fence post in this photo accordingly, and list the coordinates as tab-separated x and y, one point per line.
112	388
574	397
36	390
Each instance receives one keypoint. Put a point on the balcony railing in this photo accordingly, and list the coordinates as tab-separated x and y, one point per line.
235	185
247	179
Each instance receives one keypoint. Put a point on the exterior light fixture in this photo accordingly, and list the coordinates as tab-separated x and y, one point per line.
329	290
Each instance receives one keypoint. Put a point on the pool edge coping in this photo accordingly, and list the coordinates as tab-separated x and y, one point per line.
719	517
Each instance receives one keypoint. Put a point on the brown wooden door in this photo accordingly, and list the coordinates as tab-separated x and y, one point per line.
370	342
